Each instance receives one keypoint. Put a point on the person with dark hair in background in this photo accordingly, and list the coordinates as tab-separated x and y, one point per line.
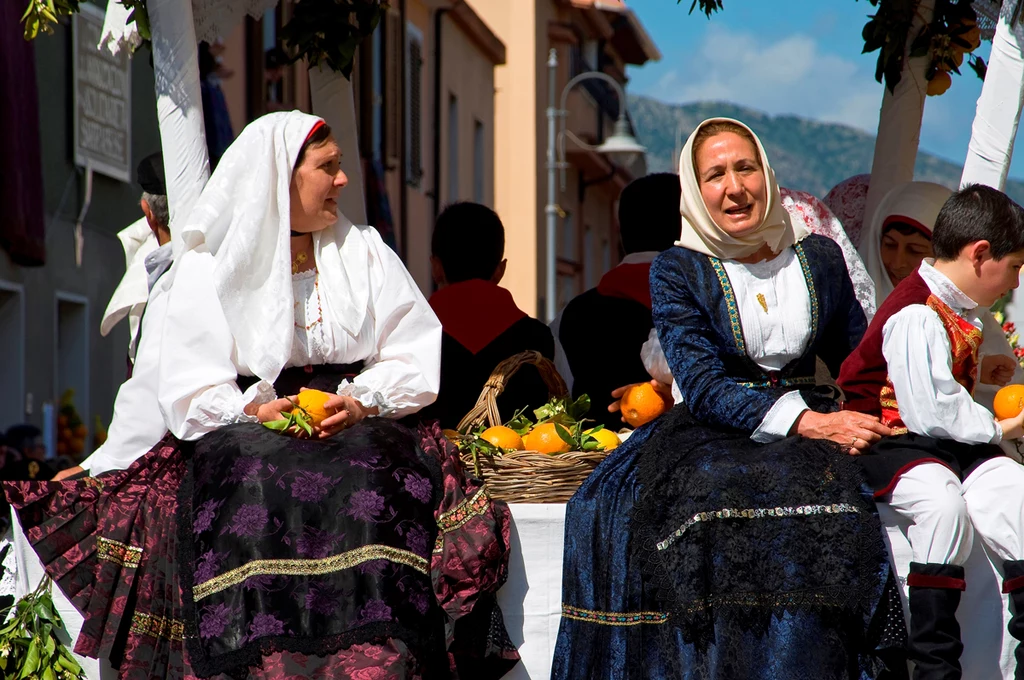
648	224
27	441
481	322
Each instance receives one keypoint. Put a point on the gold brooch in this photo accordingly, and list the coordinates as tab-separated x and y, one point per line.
764	303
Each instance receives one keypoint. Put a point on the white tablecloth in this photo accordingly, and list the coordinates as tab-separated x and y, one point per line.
531	599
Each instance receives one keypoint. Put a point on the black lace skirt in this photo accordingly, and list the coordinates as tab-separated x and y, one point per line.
777	541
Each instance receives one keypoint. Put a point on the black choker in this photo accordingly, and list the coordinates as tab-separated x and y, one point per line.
297	233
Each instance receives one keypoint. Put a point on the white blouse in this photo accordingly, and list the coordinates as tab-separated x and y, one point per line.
399	343
920	363
775	317
137	425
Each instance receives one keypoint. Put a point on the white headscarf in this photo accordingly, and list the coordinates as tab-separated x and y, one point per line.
914	203
243	218
700	233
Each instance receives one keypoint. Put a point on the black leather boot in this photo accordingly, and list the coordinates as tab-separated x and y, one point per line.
1013	584
935	645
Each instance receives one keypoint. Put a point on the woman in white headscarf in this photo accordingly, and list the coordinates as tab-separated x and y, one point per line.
899	235
714	543
234	550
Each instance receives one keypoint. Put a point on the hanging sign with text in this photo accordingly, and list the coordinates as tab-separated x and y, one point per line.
102	99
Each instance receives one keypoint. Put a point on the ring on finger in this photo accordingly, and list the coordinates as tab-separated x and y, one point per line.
854	442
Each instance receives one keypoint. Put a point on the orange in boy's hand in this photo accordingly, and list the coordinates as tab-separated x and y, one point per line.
544	439
1009	402
503	437
311	402
641	404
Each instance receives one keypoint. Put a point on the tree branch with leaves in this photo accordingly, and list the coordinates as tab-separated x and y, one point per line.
951	35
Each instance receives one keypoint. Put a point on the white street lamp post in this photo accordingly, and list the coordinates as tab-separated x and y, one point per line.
621	146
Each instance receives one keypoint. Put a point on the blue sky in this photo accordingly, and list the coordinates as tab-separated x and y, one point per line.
799	57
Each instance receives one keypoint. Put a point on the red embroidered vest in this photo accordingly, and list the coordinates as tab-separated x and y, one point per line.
964	341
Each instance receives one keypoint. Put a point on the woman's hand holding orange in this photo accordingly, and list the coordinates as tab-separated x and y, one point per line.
663	390
272	410
348	412
854	431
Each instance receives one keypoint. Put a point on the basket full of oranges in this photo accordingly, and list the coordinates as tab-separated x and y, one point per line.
538	460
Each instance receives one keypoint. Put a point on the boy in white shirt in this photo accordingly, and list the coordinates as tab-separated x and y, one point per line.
943	469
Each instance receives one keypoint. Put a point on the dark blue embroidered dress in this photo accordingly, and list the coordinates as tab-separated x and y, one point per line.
693	551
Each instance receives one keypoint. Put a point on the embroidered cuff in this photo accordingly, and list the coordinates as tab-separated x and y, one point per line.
367	397
259	393
780	418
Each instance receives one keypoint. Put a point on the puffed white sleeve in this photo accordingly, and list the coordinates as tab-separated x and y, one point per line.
931	401
404	373
656	363
197	391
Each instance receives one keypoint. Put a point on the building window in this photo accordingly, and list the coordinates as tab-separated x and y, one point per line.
12	348
478	162
414	105
72	356
453	148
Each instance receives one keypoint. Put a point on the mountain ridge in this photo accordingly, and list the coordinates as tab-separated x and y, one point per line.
808	155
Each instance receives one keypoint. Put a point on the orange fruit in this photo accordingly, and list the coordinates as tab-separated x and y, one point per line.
312	402
544	439
1009	402
81	431
641	404
503	437
939	83
605	437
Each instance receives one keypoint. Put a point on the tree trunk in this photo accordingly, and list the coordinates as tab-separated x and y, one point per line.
899	123
179	105
999	106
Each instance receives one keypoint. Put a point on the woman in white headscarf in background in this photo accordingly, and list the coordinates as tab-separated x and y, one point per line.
713	543
233	550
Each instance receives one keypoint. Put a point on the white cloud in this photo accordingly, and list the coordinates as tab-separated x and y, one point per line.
793	75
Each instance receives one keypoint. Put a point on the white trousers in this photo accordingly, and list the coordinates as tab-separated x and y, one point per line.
946	514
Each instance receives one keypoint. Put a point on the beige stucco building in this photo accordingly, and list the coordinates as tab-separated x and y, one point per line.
452	100
587	35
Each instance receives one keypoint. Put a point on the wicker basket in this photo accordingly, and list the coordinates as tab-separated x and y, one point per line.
526	476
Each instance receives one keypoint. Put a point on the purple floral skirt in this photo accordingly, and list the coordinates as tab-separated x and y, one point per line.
367	556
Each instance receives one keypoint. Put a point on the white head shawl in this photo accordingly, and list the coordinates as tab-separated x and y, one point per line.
914	203
243	218
701	233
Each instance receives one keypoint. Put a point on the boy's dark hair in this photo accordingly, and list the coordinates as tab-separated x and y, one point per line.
978	213
469	240
649	213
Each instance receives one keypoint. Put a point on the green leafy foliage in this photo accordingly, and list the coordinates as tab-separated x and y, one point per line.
298	422
328	32
42	15
708	7
29	646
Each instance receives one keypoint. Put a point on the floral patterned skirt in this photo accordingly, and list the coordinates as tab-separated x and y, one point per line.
368	555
